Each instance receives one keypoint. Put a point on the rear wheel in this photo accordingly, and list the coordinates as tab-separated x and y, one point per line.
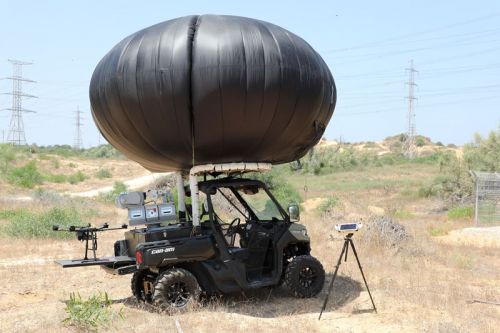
142	286
304	276
175	288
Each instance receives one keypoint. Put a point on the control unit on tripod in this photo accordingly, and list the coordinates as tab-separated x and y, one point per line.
349	229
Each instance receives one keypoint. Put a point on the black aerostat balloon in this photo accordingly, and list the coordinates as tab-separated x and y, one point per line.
212	89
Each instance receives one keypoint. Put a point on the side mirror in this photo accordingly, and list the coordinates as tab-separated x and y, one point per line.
294	212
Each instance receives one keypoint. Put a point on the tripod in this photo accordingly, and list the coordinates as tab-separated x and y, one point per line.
347	241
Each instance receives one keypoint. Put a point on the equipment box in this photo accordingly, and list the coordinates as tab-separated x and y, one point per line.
137	236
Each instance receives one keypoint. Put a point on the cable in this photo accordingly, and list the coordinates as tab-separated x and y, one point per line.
405	36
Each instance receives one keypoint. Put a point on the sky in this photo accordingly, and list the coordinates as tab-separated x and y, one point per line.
454	45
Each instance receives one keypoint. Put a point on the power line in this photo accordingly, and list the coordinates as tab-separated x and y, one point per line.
16	133
404	37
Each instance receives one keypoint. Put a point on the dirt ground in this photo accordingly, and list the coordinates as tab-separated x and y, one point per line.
424	284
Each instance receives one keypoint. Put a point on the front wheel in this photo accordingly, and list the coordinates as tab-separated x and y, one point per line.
175	288
304	276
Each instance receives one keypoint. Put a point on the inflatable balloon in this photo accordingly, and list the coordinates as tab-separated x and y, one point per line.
212	89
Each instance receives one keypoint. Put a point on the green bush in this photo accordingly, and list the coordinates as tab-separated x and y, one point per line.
403	214
77	177
461	213
103	173
102	151
436	231
419	142
7	156
483	154
55	163
55	178
454	183
326	160
328	205
426	191
118	187
91	314
282	190
26	176
26	224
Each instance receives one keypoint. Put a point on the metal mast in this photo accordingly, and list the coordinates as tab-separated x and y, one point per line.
78	144
16	133
410	145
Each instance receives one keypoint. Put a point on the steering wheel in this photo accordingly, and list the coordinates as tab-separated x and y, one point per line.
231	230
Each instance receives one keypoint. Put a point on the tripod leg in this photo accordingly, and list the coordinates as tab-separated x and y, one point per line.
344	248
362	274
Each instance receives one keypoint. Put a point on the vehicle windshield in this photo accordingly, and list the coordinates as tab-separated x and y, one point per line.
261	204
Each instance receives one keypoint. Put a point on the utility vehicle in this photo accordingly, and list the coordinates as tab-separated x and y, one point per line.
239	239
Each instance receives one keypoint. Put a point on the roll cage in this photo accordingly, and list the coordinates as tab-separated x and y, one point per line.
211	187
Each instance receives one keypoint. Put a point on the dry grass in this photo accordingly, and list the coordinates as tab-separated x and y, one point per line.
421	285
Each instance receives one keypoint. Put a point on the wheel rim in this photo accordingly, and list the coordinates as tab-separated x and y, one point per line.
147	291
177	294
307	277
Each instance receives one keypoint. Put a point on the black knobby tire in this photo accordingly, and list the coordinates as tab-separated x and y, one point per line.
304	276
175	288
137	286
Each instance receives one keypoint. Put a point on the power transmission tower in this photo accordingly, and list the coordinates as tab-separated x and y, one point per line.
78	144
16	133
410	144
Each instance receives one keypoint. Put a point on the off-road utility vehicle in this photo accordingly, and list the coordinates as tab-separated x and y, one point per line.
243	240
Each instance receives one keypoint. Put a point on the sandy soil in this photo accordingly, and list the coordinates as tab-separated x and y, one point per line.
477	237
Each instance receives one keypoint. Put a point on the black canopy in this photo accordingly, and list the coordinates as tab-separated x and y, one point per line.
212	89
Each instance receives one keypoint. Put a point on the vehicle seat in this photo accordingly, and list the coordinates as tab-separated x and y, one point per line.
238	252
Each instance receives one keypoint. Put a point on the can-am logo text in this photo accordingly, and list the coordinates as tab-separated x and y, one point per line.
164	250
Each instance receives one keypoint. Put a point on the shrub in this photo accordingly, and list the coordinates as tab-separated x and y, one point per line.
385	231
461	213
55	163
77	177
419	142
26	176
7	155
55	178
426	191
102	151
91	314
118	187
483	154
103	173
403	214
325	160
282	190
27	224
48	197
436	231
455	183
327	206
